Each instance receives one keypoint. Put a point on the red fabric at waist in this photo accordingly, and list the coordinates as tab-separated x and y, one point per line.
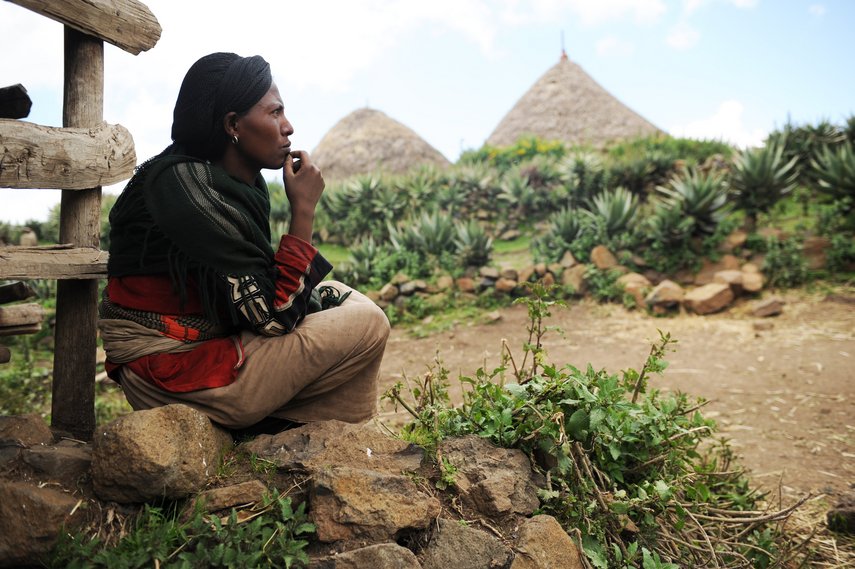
213	363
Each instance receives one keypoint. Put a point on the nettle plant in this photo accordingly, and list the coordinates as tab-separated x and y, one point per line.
633	473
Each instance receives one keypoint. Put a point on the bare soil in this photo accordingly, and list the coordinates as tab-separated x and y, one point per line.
781	389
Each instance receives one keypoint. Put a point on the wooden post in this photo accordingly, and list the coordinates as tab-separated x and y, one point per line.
73	401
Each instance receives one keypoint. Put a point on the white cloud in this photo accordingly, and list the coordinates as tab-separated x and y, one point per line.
683	36
691	6
614	46
593	13
817	10
725	124
745	3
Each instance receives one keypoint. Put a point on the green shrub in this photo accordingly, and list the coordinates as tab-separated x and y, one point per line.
602	284
275	537
784	264
623	463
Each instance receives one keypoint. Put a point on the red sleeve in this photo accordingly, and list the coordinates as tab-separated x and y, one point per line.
299	269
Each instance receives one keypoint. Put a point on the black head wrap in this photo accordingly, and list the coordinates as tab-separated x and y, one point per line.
217	84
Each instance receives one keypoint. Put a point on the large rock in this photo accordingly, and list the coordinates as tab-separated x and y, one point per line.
731	277
164	452
752	281
506	286
574	277
635	285
389	292
65	463
380	556
316	446
492	480
30	521
455	546
465	284
665	296
18	432
543	544
772	306
25	430
602	258
709	298
709	268
489	273
568	260
350	504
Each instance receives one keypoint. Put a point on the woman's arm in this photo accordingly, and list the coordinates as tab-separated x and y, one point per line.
299	266
299	269
303	188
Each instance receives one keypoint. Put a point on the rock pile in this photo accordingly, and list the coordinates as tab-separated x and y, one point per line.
712	289
367	492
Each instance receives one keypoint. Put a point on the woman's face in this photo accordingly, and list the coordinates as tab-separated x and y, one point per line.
263	132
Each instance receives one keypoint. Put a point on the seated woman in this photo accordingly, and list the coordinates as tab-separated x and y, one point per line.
199	309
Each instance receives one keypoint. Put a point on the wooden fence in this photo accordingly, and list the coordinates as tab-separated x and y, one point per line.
78	158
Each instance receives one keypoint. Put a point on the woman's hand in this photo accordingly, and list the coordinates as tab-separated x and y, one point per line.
304	185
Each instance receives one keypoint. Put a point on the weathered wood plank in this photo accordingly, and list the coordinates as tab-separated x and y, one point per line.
21	315
73	389
127	24
21	330
15	291
58	262
5	354
14	102
35	156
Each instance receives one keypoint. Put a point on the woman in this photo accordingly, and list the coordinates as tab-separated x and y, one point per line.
198	308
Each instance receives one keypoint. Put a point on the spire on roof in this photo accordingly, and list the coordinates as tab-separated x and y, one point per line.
563	53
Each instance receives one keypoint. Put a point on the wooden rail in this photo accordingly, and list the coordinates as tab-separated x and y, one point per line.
35	156
127	24
59	262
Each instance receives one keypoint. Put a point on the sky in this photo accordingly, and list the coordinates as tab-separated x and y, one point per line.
451	69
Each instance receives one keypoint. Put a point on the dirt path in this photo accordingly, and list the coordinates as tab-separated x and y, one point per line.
784	396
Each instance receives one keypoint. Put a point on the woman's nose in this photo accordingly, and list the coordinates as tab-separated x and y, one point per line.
286	127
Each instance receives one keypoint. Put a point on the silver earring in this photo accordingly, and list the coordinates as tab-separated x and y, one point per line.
234	139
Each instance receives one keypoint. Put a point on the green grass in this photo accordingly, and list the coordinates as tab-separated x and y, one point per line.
515	254
335	254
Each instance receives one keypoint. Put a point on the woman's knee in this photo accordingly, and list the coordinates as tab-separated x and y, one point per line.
375	323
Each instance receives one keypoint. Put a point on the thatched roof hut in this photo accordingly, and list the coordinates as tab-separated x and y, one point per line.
566	104
368	141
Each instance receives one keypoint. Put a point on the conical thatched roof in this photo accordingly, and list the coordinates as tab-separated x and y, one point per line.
566	104
367	141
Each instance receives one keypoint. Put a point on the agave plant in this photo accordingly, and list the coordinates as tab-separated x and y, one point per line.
834	171
585	177
474	246
470	188
616	209
364	257
760	177
570	229
431	234
700	197
517	193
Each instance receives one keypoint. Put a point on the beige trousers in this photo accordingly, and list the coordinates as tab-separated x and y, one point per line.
327	368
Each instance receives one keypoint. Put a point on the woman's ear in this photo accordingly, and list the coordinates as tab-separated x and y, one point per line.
230	123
